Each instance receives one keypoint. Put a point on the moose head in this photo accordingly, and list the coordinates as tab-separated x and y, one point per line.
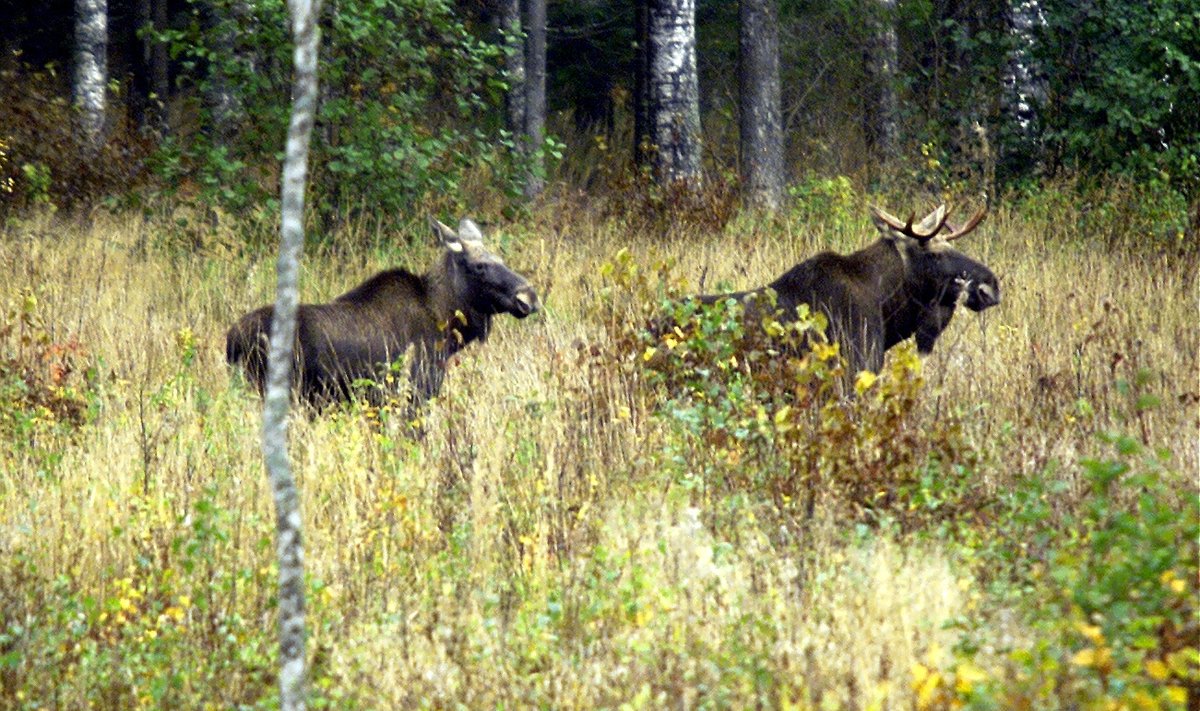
935	275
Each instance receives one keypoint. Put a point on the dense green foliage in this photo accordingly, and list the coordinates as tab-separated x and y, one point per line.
406	90
1124	88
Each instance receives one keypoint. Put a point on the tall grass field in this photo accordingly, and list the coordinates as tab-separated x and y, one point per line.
1009	522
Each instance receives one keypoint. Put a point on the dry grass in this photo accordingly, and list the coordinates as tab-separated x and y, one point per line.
527	552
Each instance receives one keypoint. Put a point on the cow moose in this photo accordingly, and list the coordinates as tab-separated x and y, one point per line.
906	283
360	334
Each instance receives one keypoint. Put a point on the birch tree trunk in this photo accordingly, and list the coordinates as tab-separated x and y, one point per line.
881	108
535	94
674	93
761	130
91	70
1024	85
289	544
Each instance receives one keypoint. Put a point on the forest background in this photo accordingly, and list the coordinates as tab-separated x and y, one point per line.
1011	523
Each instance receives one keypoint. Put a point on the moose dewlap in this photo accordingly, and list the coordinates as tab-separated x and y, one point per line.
360	334
907	283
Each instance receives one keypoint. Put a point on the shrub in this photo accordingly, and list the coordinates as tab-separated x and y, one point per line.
761	411
48	386
1107	585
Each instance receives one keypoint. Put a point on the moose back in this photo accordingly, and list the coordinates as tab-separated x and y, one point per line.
360	334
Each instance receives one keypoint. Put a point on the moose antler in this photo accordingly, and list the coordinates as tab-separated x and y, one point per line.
956	232
929	226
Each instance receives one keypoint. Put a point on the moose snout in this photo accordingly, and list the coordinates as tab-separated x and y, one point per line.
983	296
525	302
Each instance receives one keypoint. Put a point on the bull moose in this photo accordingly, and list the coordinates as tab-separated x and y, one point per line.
360	334
906	283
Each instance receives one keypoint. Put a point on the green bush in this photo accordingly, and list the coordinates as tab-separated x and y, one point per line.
762	414
1106	583
406	92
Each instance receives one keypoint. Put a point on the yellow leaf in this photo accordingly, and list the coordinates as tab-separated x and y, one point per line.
919	673
650	352
864	381
1156	670
1084	658
1143	700
968	674
782	414
1092	632
1177	694
925	694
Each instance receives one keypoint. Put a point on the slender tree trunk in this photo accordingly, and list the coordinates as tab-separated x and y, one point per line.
509	14
881	107
223	22
160	70
289	545
139	51
1024	86
149	88
91	70
641	84
674	91
535	93
761	125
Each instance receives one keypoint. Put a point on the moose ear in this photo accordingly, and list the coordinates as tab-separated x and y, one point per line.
445	235
932	223
468	231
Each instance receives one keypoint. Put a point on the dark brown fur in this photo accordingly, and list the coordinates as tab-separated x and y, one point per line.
891	290
359	335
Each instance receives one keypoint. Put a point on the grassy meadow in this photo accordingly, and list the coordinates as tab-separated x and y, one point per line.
570	533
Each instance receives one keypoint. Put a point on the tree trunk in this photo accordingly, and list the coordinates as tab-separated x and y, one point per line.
535	94
160	70
881	108
149	86
222	22
641	84
674	94
509	14
1024	87
761	131
91	70
289	544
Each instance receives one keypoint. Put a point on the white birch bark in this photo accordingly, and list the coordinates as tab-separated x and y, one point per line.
1024	88
289	544
674	91
91	70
